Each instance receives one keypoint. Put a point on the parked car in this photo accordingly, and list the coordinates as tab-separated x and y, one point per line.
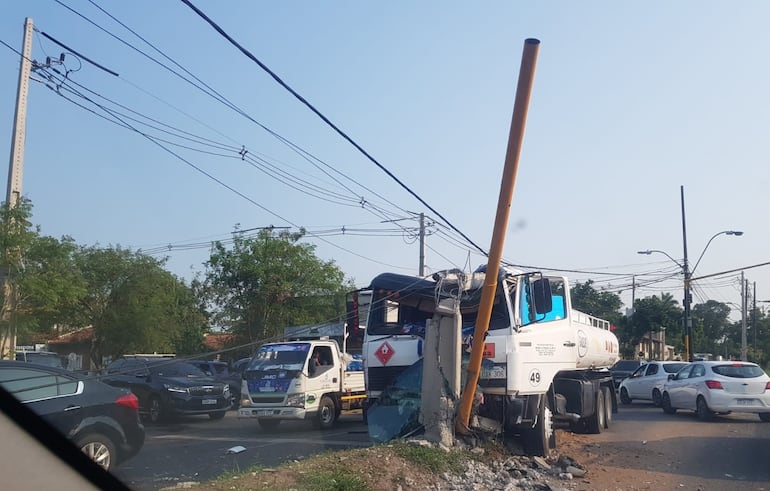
46	358
167	387
102	421
646	383
710	387
220	371
622	369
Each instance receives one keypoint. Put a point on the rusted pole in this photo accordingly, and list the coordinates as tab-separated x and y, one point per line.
515	138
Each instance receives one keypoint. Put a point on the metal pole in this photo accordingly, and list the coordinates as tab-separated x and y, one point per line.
687	299
513	152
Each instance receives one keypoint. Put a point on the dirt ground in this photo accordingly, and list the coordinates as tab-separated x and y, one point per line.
382	469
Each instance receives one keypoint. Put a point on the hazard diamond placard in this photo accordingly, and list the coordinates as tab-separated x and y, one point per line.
384	353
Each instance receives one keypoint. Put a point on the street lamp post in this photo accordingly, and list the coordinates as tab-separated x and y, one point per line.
687	273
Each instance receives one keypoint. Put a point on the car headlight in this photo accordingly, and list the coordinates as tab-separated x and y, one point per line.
174	388
296	400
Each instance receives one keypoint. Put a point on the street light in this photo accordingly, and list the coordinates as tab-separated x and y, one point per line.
687	277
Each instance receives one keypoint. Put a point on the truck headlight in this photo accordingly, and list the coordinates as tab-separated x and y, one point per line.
174	388
296	400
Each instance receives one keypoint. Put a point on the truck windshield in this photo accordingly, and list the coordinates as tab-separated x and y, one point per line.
289	356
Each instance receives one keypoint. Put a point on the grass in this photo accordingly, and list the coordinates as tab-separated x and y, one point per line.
434	459
334	480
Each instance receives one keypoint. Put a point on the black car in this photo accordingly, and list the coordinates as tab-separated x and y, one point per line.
622	369
219	370
166	388
46	358
102	421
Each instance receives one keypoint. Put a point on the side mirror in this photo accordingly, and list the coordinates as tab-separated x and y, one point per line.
671	376
542	296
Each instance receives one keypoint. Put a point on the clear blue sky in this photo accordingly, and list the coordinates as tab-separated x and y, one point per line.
630	101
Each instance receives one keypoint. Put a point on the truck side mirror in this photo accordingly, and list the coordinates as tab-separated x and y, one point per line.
542	296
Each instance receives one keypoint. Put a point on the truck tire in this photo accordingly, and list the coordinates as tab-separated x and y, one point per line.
327	413
595	422
540	439
607	407
268	425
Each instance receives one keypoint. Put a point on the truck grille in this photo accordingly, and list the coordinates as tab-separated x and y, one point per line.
379	377
206	390
267	400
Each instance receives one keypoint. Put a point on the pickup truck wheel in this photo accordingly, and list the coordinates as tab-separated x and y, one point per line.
268	425
607	407
327	413
595	422
624	396
540	439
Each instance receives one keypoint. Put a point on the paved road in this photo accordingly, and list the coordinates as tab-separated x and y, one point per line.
195	448
680	452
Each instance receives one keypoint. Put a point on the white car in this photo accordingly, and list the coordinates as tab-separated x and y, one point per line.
709	387
646	383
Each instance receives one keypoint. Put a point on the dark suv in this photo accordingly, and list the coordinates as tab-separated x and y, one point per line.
622	369
220	371
166	387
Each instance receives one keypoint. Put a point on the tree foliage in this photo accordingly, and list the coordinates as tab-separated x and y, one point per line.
587	299
263	284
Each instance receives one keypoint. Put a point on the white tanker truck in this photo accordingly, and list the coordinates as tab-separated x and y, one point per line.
545	364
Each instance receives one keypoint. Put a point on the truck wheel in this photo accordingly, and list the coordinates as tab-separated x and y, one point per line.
624	396
607	407
540	439
595	422
327	413
268	425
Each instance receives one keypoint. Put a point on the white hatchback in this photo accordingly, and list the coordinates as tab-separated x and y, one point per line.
710	387
646	383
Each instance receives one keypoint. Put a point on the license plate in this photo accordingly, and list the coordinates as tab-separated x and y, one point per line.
745	402
209	402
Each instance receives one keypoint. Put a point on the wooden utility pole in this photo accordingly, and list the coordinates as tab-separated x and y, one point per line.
13	196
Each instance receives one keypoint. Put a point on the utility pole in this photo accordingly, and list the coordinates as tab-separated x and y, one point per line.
422	244
13	196
754	319
744	286
687	298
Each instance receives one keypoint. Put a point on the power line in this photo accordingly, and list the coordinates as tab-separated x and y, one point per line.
328	122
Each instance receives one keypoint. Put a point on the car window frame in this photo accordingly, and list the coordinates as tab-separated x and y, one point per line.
65	380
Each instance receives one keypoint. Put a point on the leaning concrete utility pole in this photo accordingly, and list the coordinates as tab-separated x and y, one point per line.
513	152
13	196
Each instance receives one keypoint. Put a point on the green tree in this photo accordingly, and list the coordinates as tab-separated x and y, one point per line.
41	283
587	299
134	305
653	313
710	325
263	284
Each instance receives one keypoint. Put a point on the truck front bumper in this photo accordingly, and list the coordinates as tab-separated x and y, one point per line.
274	413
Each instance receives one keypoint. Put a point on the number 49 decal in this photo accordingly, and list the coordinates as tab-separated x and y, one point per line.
534	377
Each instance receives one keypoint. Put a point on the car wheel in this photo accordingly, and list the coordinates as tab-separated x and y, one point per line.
624	396
765	417
217	415
702	409
665	403
656	397
607	407
156	410
98	448
327	413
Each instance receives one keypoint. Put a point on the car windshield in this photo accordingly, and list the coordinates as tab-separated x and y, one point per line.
280	357
176	369
673	367
737	370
